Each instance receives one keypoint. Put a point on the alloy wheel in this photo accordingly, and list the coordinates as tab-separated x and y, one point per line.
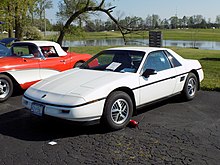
120	111
191	87
4	88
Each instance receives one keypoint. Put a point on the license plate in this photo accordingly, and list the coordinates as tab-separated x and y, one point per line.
37	109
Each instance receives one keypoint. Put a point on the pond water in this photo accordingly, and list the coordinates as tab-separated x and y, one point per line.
212	45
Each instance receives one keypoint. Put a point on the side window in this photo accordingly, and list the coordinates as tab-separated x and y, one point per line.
158	61
173	60
25	51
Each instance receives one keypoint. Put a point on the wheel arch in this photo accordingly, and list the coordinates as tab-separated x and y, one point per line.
15	83
80	61
130	93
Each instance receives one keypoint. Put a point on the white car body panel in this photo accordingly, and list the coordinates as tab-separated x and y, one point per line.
23	76
163	88
193	65
44	73
85	84
29	75
83	92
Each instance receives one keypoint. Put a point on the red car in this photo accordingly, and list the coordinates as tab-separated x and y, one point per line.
30	61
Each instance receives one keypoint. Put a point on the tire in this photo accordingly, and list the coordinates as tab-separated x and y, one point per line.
78	64
117	111
6	88
190	87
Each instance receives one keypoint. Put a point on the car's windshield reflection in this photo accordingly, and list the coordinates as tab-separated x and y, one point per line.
115	60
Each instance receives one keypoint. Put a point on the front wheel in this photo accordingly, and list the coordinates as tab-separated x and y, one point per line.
190	87
118	110
6	87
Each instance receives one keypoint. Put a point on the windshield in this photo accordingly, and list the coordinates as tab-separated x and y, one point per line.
115	60
4	51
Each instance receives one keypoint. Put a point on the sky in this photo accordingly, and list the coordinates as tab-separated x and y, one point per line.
163	8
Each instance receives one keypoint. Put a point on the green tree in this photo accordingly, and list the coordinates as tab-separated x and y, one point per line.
148	22
7	15
20	11
15	14
40	9
174	22
191	21
109	25
155	21
217	20
131	22
90	26
184	21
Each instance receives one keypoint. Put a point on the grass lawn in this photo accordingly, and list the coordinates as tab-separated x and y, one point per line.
192	34
168	34
209	59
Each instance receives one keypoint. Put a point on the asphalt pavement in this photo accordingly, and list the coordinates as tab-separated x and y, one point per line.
170	132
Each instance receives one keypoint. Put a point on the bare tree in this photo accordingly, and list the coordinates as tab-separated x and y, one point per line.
86	6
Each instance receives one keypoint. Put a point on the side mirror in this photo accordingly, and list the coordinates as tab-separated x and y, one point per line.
149	72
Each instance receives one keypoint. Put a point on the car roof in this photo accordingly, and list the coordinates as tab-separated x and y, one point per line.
144	49
39	43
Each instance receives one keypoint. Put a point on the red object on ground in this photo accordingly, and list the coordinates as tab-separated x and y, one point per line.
133	123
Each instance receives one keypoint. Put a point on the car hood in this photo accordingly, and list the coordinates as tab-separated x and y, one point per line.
84	85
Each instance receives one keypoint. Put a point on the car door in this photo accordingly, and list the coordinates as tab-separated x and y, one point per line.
158	85
26	67
53	63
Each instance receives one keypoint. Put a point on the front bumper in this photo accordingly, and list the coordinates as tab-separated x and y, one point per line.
87	112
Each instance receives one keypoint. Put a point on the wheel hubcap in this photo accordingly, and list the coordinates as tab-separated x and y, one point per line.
4	88
120	111
191	87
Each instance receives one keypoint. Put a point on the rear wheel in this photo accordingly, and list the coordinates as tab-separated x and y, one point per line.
118	110
78	64
6	88
190	87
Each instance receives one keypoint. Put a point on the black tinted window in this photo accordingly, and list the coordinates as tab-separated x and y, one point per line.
173	60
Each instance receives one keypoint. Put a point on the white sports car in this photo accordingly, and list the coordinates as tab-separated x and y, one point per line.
113	84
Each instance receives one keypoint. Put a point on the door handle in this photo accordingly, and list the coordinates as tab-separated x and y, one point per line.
62	61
